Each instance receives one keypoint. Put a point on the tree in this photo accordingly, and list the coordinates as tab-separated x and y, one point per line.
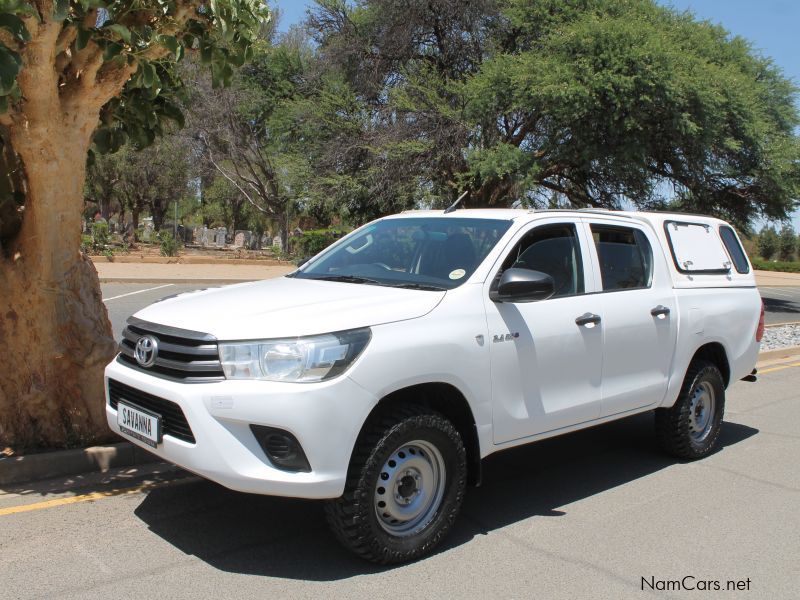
787	242
244	133
582	103
76	74
767	243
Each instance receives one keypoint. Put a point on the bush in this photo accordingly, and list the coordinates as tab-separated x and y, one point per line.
767	243
169	245
783	266
314	241
787	243
100	237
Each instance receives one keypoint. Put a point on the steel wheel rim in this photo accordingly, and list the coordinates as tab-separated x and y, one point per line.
410	488
701	411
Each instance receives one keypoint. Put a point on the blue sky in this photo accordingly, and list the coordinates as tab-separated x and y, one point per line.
771	26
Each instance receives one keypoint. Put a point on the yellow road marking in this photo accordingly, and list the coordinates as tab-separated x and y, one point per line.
12	510
778	368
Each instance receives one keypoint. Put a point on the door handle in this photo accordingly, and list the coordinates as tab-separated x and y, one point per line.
660	311
588	319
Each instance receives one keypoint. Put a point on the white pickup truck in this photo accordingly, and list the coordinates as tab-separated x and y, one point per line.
380	373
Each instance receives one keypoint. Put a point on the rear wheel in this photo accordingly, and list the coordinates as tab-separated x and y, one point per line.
690	428
404	489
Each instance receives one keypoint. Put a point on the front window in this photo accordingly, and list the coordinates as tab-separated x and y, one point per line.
421	253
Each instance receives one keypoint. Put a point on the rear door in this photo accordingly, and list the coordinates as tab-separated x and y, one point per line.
545	367
639	314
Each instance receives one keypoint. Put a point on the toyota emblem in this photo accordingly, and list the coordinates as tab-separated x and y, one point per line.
146	351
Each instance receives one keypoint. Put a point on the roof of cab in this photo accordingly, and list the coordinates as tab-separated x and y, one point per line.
523	214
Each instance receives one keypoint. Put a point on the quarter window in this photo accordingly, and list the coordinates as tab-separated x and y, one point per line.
734	248
626	258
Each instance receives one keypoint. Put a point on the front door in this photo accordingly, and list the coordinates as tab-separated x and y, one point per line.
546	368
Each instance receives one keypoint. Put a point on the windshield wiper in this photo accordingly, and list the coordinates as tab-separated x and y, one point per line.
430	287
348	279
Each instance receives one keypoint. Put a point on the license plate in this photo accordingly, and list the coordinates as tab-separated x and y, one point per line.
139	424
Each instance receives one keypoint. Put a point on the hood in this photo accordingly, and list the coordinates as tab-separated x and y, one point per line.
289	307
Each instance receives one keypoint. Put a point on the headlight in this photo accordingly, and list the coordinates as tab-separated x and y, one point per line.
305	359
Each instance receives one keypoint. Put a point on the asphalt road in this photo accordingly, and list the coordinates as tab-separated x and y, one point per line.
123	299
586	515
781	304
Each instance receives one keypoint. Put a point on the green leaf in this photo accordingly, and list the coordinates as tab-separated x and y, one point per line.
83	37
60	10
3	104
120	30
15	25
148	75
10	64
102	140
111	50
170	42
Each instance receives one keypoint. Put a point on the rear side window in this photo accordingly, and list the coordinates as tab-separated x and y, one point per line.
626	258
734	248
696	248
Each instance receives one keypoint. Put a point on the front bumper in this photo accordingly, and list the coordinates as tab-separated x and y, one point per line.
325	418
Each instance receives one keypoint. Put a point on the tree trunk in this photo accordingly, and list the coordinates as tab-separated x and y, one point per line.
134	223
53	323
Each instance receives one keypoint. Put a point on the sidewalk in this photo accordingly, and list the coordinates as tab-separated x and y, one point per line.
187	273
776	279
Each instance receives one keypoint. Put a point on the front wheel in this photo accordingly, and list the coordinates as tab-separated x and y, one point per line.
404	489
690	428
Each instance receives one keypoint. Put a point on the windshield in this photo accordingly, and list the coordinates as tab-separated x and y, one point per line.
419	253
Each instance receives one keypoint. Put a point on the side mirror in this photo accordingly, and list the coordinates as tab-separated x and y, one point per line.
523	285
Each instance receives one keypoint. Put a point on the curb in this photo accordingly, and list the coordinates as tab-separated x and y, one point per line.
174	280
789	352
191	260
32	467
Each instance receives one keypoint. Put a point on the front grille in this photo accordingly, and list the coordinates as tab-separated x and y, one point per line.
173	421
183	355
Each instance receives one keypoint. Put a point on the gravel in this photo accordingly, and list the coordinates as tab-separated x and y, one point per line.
782	336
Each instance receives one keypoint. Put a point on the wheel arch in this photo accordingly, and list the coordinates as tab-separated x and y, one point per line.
447	400
715	353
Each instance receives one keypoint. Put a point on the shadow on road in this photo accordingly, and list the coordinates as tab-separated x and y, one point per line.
278	537
778	305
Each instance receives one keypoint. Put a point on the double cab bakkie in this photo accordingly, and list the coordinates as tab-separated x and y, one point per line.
380	373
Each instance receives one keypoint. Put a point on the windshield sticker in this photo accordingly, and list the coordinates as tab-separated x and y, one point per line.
457	274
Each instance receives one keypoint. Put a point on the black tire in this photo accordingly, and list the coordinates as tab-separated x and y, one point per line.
684	430
426	441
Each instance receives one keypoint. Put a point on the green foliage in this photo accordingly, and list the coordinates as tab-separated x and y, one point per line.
100	235
770	265
146	37
312	242
767	243
787	243
581	103
168	244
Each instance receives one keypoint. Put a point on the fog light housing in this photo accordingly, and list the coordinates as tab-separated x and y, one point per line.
282	448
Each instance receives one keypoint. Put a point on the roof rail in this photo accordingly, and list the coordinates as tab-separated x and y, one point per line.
605	211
